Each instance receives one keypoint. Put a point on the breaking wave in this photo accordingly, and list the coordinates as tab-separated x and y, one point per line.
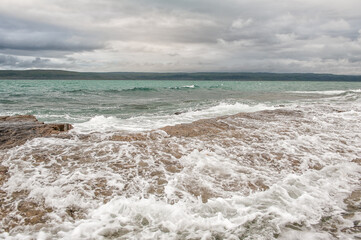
152	121
330	92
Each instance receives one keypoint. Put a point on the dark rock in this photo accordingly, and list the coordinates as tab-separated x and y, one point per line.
16	130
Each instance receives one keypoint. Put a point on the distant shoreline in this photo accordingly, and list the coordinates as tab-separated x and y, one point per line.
198	76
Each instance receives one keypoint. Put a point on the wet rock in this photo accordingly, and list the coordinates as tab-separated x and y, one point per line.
357	160
32	213
353	201
16	130
215	126
75	212
129	138
3	174
197	128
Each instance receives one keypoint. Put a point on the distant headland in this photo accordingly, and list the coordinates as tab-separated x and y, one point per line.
226	76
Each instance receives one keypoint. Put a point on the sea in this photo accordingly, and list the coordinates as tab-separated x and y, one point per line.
184	160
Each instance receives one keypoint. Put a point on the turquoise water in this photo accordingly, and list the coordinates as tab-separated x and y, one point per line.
78	101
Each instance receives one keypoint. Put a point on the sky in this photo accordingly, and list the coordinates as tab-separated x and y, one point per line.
319	36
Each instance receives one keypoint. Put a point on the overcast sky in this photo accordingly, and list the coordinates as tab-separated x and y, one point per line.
322	36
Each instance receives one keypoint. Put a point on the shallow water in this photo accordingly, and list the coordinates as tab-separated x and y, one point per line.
275	160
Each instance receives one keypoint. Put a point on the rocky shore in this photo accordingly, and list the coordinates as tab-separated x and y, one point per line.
16	130
95	169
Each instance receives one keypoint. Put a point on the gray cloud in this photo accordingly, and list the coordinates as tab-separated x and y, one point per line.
185	35
22	34
8	60
14	62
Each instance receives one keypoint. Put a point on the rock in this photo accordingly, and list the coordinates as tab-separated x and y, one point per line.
3	174
218	125
197	128
16	130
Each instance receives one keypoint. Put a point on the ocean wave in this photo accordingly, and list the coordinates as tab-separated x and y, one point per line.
148	89
111	91
6	101
76	91
135	89
184	87
97	92
328	92
142	89
152	121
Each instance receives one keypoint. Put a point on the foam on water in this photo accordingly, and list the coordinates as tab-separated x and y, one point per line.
291	209
330	92
150	122
299	200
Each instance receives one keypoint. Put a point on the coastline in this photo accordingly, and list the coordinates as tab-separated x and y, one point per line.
39	74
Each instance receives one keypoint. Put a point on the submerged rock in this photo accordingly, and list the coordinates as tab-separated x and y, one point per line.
16	130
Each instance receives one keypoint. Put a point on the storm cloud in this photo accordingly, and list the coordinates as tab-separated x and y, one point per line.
165	36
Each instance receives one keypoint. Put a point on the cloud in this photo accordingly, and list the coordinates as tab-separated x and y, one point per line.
8	60
20	34
14	62
184	35
241	23
335	25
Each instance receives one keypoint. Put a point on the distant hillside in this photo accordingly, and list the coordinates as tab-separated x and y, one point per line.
65	75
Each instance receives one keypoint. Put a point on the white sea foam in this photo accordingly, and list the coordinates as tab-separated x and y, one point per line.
150	122
189	86
299	200
329	92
